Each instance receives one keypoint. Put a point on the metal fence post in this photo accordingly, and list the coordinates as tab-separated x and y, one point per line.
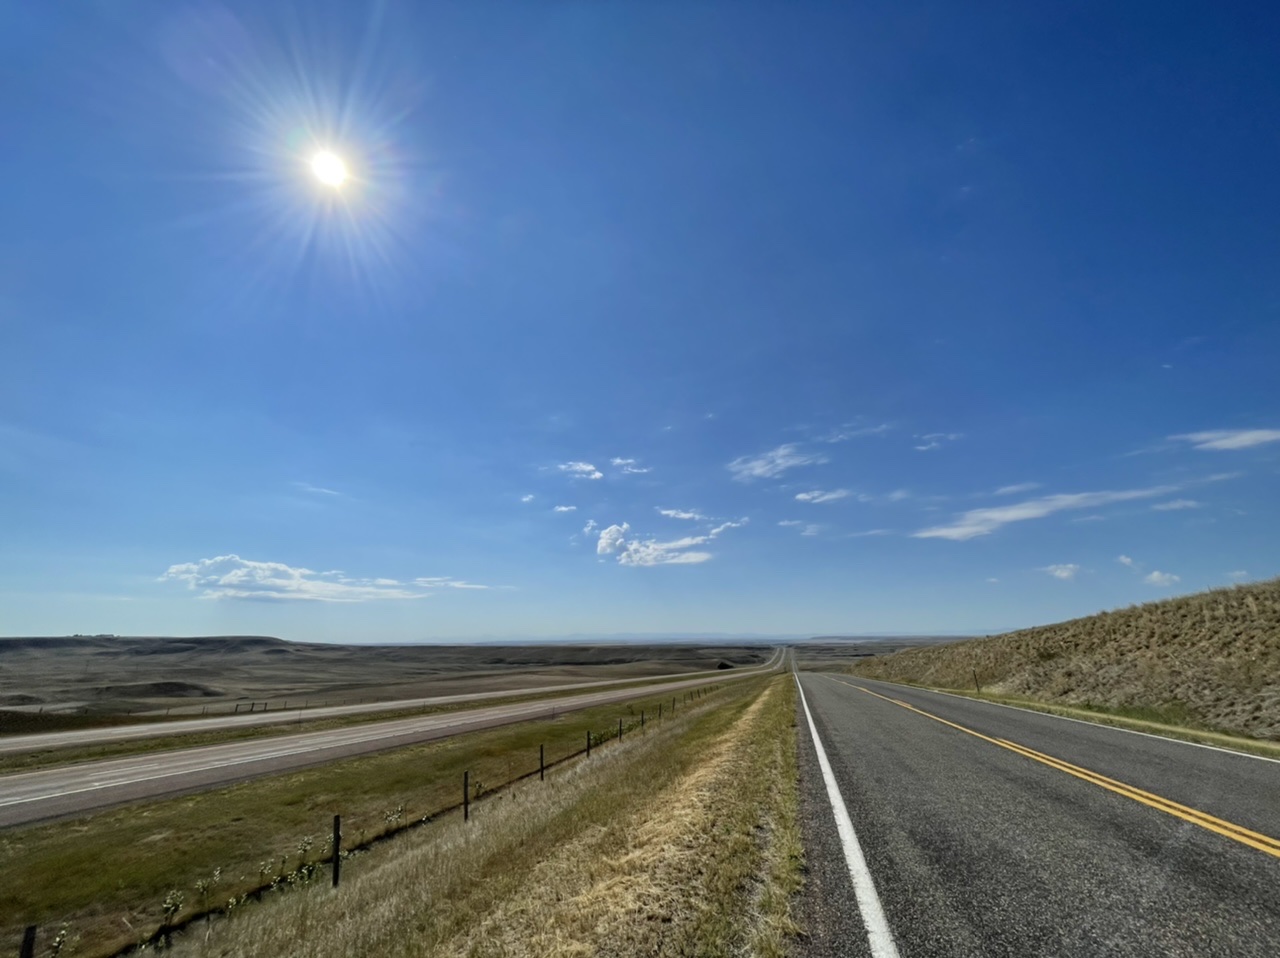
28	943
619	729
588	743
337	849
542	763
466	796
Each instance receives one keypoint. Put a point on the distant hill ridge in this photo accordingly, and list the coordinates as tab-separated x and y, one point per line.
1211	659
21	642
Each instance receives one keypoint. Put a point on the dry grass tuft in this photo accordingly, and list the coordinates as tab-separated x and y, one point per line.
1210	660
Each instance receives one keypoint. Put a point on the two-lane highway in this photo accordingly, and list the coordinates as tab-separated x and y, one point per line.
984	830
12	744
73	789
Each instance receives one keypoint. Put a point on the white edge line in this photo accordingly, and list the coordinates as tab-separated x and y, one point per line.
879	935
1068	718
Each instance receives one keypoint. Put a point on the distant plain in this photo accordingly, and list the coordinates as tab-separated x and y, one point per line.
105	676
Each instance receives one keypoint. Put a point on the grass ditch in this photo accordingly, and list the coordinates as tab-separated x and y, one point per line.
1153	721
682	842
111	878
70	754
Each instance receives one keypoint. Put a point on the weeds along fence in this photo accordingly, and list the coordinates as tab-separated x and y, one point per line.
180	913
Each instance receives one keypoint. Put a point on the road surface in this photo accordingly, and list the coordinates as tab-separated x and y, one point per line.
11	744
51	793
981	830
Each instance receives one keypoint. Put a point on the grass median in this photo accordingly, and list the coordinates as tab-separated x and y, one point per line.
107	877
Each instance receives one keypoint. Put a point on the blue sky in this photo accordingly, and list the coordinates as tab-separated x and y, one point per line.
721	317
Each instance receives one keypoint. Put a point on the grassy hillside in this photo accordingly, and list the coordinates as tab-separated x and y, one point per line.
1210	660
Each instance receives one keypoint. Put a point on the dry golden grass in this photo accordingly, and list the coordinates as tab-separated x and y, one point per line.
683	841
105	876
1210	660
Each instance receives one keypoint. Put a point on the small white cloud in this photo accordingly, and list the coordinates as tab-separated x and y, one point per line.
981	522
775	462
1219	439
612	539
1125	560
790	522
1176	504
935	440
565	509
1093	518
1238	574
628	466
1062	570
445	582
681	514
590	527
993	580
870	532
812	530
231	577
819	496
1016	488
898	495
1161	579
527	498
581	470
650	552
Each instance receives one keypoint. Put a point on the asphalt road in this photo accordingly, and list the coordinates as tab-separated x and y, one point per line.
978	847
10	744
52	793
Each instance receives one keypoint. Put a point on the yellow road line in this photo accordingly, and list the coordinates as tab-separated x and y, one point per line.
1263	843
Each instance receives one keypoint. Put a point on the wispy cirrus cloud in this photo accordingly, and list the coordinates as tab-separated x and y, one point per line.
817	495
617	540
1016	488
849	430
564	509
1062	570
936	440
1162	579
580	470
231	577
1222	439
771	464
315	490
1173	505
981	522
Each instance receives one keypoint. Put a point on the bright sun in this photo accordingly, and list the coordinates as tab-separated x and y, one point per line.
329	168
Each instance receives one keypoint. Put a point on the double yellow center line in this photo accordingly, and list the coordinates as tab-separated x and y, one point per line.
1263	843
